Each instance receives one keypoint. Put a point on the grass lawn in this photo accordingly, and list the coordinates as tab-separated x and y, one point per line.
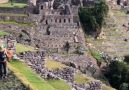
21	48
18	23
80	79
2	33
52	65
104	87
31	76
20	5
59	84
96	55
11	14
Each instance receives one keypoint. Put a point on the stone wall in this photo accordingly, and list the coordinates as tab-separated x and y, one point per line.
81	62
36	60
24	19
94	85
65	74
10	42
16	10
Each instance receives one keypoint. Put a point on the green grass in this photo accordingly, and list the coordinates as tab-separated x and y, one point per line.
2	33
11	14
104	87
80	79
21	48
59	84
20	5
52	65
31	76
18	23
96	55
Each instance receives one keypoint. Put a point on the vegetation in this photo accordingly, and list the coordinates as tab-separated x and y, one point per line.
59	84
21	48
17	23
97	56
52	65
126	59
2	33
31	76
92	18
9	4
104	87
118	75
11	14
79	78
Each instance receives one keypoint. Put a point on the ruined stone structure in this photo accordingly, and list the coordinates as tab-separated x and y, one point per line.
56	24
10	43
36	60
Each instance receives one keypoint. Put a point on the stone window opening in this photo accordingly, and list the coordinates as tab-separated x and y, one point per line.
46	22
69	20
60	21
42	7
55	20
64	20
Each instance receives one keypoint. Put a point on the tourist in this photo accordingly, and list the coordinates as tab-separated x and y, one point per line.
3	63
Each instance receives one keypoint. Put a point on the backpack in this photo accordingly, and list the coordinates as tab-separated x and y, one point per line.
3	56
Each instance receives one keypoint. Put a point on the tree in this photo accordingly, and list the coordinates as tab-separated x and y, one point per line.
67	47
92	18
11	2
124	86
118	73
126	59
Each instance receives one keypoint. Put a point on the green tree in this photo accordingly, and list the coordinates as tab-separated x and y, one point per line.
11	2
92	18
124	86
118	73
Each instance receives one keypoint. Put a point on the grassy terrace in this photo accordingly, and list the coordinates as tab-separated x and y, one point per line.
11	14
18	23
31	77
2	33
53	65
59	85
20	5
96	55
79	78
21	48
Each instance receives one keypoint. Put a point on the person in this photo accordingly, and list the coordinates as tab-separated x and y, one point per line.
3	63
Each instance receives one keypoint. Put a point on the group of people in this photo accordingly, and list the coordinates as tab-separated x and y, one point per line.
3	63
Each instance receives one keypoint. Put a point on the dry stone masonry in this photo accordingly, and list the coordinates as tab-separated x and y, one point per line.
36	60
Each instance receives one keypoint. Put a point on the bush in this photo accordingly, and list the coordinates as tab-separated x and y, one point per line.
92	18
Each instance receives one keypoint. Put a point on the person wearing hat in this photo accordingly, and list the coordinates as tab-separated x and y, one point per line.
3	64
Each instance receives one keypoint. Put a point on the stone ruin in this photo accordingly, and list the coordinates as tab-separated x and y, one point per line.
55	24
36	60
10	43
